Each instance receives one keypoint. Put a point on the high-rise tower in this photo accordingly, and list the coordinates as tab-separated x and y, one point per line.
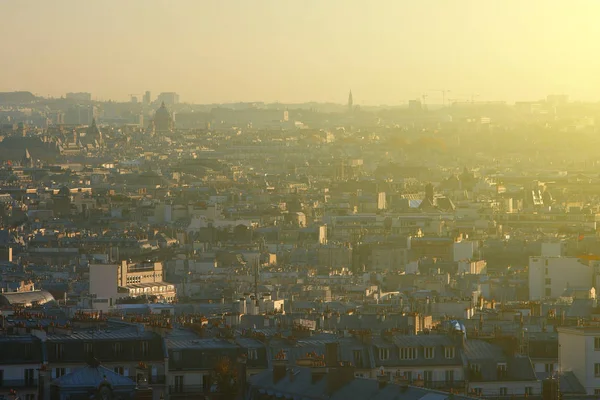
350	102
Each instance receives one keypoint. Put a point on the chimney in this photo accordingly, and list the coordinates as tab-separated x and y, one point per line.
382	380
242	374
331	354
279	367
339	377
44	383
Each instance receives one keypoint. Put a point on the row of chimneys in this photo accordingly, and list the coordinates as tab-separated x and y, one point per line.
337	374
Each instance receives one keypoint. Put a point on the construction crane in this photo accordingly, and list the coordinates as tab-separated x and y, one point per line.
443	92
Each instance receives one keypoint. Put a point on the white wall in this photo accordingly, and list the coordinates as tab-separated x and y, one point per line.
552	249
577	354
103	283
562	272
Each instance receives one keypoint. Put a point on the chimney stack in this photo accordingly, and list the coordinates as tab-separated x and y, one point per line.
279	366
241	373
382	380
331	354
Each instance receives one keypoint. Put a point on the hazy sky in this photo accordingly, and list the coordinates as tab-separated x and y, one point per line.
386	51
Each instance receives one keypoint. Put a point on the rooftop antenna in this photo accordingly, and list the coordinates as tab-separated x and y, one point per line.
256	279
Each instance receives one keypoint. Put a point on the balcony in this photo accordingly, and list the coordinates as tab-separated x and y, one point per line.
19	383
152	380
187	392
445	385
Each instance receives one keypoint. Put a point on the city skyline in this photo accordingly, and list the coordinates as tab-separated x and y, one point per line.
387	53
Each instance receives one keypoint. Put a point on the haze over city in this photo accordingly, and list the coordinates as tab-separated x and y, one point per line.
387	51
299	199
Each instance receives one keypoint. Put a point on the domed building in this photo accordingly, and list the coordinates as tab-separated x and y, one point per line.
163	121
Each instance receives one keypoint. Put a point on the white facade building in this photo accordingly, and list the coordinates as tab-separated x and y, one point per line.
103	286
550	276
579	352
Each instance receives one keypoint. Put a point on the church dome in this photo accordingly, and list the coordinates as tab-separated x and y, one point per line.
162	119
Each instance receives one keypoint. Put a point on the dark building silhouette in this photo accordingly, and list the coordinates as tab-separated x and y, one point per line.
350	102
163	121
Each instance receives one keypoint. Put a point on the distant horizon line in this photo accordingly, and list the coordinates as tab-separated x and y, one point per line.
323	102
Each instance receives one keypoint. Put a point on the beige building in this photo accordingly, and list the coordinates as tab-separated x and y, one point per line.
145	272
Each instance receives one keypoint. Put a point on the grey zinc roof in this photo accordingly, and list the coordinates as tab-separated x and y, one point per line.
200	344
519	368
479	350
298	385
108	334
420	342
93	377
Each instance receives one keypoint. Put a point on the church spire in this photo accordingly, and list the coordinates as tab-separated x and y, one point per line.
350	101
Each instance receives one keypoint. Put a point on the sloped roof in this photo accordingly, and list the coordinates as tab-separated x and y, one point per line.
36	296
92	377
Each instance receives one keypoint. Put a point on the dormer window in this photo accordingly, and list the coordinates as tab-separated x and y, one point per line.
408	353
502	372
117	348
384	354
449	352
252	354
429	353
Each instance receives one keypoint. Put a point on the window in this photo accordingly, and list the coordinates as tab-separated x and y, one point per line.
549	368
29	375
28	350
119	370
145	348
528	391
408	376
357	358
503	391
30	396
58	351
384	354
597	343
252	354
449	352
428	353
449	375
597	370
177	356
408	353
178	383
206	384
1	377
548	281
546	271
428	376
548	292
117	348
597	392
477	391
501	368
88	348
58	372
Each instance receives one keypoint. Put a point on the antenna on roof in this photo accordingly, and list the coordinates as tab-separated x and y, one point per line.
256	279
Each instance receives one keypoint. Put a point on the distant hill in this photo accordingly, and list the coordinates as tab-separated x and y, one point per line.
16	97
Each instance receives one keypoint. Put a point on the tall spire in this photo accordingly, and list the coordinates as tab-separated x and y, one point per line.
350	101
